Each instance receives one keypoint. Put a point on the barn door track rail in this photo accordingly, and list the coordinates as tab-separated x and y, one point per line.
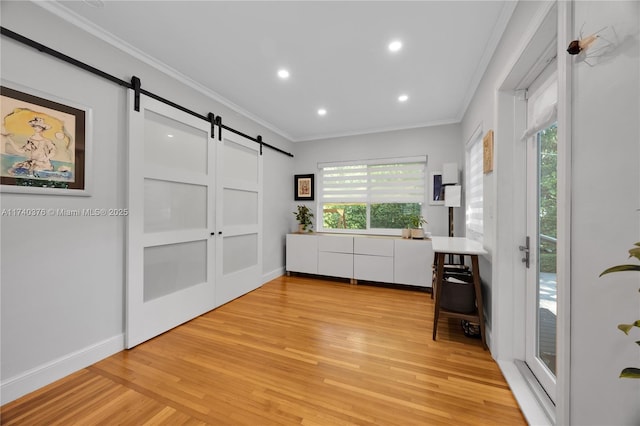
136	85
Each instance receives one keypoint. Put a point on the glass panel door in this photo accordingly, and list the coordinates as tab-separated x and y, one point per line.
240	216
171	255
542	231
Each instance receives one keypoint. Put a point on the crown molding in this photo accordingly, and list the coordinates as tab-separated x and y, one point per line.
377	130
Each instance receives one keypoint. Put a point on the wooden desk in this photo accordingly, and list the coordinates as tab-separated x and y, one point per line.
443	246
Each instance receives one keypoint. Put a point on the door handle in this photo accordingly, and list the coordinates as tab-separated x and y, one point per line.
526	259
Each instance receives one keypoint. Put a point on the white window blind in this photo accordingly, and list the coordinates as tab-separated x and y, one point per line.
543	108
474	189
375	181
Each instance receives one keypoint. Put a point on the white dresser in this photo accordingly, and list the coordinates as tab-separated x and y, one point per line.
361	257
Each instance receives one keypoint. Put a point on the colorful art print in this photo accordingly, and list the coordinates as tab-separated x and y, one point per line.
44	144
304	187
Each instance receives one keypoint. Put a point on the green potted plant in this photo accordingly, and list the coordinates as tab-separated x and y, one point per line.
629	372
416	222
304	216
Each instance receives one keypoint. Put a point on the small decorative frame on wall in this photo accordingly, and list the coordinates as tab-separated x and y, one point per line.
437	189
487	152
45	145
304	187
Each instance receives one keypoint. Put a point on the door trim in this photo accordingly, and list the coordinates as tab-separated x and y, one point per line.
509	109
565	81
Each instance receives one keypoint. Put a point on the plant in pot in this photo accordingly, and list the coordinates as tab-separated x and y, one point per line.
303	216
629	372
406	232
416	222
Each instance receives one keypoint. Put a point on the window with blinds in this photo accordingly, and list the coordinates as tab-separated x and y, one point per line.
375	194
474	188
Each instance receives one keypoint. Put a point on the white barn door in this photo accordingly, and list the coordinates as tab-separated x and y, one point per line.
240	218
171	253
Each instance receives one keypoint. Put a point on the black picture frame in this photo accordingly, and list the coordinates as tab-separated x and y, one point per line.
304	187
437	189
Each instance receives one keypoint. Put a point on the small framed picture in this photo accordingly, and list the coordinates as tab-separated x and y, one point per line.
487	152
437	189
303	187
45	145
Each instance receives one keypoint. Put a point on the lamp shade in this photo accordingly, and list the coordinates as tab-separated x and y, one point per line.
450	174
453	195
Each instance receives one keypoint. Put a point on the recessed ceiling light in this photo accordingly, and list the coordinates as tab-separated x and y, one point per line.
322	111
283	74
403	98
395	45
169	135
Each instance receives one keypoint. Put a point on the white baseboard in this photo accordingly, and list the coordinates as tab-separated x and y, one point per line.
44	374
533	411
272	275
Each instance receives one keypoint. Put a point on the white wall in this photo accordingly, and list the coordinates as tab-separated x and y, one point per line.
605	158
481	113
605	218
442	144
62	278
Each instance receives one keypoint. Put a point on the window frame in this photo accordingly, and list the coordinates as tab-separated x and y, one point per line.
368	202
475	142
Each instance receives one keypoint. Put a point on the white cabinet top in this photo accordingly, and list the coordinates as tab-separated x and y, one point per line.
457	245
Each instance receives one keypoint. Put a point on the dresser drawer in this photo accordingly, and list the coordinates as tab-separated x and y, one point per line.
373	246
335	243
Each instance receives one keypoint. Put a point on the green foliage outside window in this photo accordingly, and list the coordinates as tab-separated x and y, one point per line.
393	215
548	197
354	215
344	216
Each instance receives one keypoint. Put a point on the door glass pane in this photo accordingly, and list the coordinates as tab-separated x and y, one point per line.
240	207
547	242
173	267
171	206
239	252
175	145
240	163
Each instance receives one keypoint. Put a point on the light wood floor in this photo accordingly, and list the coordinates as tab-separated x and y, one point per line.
296	351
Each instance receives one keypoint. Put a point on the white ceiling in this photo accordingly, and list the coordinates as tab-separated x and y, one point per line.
336	52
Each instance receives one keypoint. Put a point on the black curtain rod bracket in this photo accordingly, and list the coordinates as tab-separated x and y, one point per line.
259	139
212	119
219	124
136	85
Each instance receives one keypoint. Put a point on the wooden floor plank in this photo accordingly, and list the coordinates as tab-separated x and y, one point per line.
298	350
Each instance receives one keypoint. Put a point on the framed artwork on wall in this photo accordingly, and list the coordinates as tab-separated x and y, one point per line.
437	189
45	143
304	187
487	152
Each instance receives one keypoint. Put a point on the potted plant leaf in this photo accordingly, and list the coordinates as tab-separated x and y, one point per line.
629	372
304	216
416	222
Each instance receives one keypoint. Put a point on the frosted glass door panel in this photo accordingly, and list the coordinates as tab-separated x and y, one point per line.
240	207
170	206
170	143
240	215
173	267
240	163
239	252
172	240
